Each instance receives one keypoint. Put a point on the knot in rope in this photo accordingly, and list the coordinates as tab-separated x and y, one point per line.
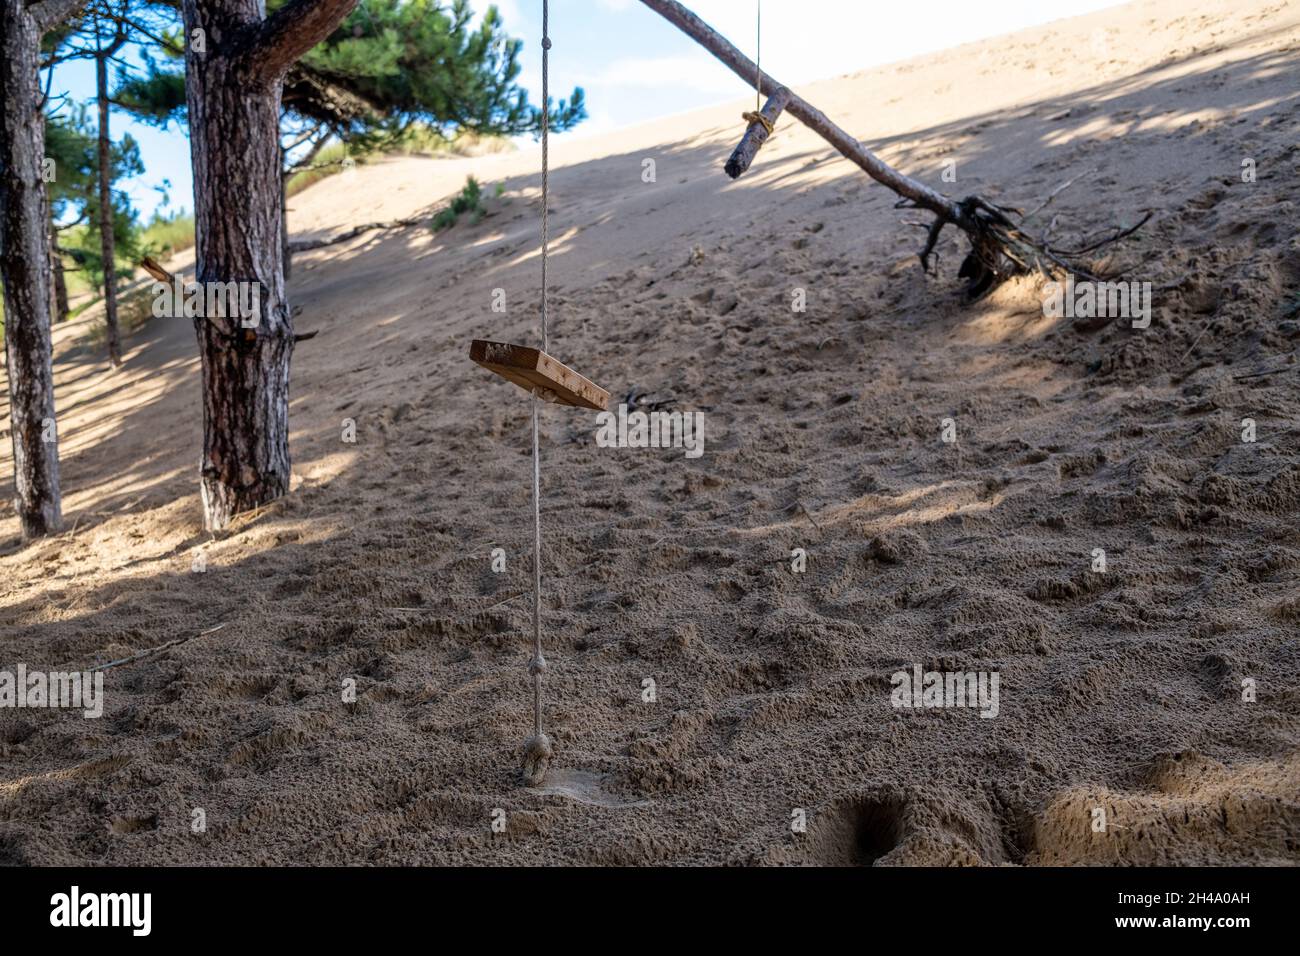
537	757
754	116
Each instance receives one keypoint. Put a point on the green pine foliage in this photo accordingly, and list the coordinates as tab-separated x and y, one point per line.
392	63
74	197
391	67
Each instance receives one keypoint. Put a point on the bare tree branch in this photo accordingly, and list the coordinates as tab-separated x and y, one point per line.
151	265
163	42
303	138
304	245
306	162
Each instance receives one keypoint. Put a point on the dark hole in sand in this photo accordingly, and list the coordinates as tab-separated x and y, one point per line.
857	831
876	826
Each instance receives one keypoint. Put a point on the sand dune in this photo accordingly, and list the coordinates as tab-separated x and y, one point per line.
1120	690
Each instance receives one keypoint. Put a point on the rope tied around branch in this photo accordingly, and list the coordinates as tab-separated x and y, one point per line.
754	116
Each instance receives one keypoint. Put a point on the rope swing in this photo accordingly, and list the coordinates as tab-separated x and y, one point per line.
537	748
549	380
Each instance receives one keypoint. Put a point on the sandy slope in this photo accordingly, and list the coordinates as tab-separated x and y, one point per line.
1120	691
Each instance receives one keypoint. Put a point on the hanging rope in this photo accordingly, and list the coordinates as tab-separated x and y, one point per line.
546	162
537	748
756	115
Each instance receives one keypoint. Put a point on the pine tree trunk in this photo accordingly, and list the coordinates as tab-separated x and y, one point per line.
25	269
285	252
234	143
106	213
60	281
233	93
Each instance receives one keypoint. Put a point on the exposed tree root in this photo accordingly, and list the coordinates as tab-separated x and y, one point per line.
1001	248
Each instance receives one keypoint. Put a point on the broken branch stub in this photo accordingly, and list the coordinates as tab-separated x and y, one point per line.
757	134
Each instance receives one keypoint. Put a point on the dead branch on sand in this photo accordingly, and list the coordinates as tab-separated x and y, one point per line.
154	650
305	245
1000	245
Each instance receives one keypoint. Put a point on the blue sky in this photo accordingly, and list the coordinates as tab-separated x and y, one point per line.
634	66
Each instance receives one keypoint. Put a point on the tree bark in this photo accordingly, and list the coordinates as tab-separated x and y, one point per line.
233	93
59	281
106	204
25	265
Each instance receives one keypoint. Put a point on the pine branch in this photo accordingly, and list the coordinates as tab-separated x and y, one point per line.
285	36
